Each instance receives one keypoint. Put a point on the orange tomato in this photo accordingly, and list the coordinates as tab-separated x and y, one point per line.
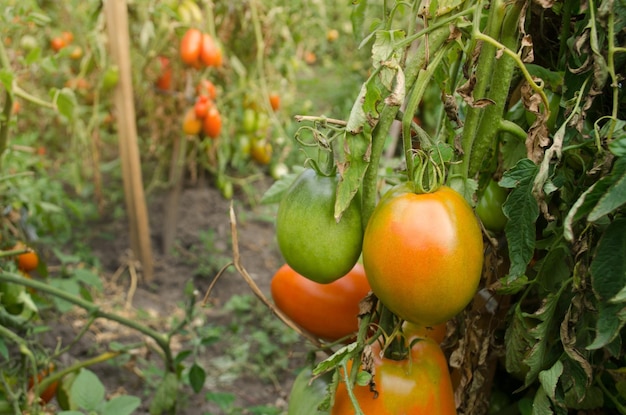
275	101
192	125
209	51
49	393
202	105
27	261
416	331
57	43
76	53
418	385
206	87
329	311
68	37
190	47
212	123
423	254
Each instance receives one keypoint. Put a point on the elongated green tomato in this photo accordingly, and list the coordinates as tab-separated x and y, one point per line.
418	385
307	393
312	242
489	207
423	254
329	311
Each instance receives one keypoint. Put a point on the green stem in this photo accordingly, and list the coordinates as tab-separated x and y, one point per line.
95	311
506	126
346	379
611	69
485	137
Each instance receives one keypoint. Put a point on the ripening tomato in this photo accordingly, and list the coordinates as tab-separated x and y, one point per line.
310	239
261	151
57	43
202	105
164	82
415	331
489	207
212	123
419	385
27	261
423	253
192	125
191	47
206	87
274	101
328	311
68	37
49	393
209	51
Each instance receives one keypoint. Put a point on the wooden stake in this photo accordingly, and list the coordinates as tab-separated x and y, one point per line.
116	14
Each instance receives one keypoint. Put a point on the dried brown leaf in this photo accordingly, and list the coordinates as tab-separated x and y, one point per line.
528	53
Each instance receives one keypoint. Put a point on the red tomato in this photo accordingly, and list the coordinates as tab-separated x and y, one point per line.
420	385
209	51
423	254
202	106
212	123
190	47
192	125
164	82
329	311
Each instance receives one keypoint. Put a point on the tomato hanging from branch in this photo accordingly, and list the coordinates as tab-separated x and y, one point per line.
310	239
423	254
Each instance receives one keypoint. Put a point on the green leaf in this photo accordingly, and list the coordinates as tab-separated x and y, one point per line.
615	195
224	400
65	101
357	17
121	405
276	191
522	211
541	354
342	355
4	350
70	286
356	154
541	403
165	396
307	393
608	278
517	341
384	51
6	78
550	378
507	287
364	108
197	376
88	277
618	145
87	390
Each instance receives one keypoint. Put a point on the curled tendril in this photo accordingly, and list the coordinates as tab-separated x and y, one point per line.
428	174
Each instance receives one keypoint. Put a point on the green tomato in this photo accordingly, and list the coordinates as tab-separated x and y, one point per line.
311	241
249	122
489	207
305	398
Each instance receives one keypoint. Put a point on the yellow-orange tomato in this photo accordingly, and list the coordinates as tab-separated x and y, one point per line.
27	261
329	311
68	37
192	125
423	254
77	53
212	123
261	151
418	385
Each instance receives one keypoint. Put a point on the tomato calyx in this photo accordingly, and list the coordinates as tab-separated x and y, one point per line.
428	173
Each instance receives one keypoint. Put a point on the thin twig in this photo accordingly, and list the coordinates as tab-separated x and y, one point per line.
323	120
205	300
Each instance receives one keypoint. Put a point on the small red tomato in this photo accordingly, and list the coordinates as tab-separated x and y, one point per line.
202	106
206	87
49	393
212	123
57	43
209	51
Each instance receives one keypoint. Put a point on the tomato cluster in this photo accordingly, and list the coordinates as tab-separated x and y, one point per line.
253	135
204	116
199	49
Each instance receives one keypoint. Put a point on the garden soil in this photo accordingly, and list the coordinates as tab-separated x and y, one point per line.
203	243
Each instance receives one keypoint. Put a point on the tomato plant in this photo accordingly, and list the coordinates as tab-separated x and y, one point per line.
418	385
310	239
419	249
328	311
